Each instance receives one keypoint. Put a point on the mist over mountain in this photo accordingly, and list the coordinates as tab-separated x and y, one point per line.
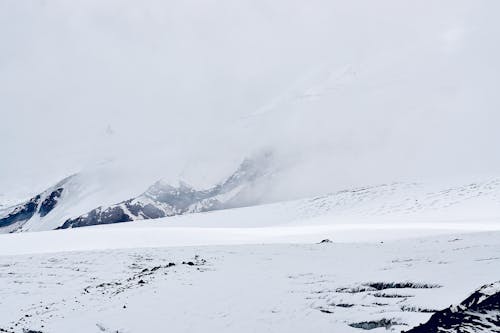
343	93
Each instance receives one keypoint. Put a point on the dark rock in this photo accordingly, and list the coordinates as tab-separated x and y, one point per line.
378	286
406	308
163	200
478	313
50	202
21	212
384	295
370	325
343	305
400	285
97	216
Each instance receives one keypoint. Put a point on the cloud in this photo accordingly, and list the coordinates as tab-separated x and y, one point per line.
343	92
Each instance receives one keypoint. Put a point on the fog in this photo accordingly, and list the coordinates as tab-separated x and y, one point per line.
344	93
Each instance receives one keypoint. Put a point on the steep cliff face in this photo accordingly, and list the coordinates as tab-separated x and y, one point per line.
478	313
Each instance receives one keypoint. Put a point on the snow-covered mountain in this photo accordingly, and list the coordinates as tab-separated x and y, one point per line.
39	206
395	204
163	200
68	204
415	202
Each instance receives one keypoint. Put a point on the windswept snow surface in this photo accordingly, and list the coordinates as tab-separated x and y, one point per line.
377	258
320	287
383	212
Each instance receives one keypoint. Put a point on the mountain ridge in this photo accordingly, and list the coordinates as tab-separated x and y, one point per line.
414	202
159	200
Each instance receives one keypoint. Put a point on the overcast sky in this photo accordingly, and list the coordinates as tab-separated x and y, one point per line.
345	92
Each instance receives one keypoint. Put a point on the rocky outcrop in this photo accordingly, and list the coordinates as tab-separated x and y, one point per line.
50	202
163	199
41	204
21	213
478	313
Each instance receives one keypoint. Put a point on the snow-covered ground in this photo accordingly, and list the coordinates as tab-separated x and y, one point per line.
395	254
245	288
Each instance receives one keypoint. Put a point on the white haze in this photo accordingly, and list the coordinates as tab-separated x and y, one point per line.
344	92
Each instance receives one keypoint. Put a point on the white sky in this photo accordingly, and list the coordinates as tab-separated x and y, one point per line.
346	92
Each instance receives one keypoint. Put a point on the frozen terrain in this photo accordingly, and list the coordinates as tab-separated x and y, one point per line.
375	258
324	287
249	166
67	204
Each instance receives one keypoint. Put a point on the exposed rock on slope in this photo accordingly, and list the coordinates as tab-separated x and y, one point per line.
72	202
478	313
41	204
85	200
162	199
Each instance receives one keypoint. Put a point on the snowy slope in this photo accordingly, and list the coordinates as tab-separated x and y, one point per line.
87	198
381	258
12	218
77	195
373	213
431	202
163	199
419	203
